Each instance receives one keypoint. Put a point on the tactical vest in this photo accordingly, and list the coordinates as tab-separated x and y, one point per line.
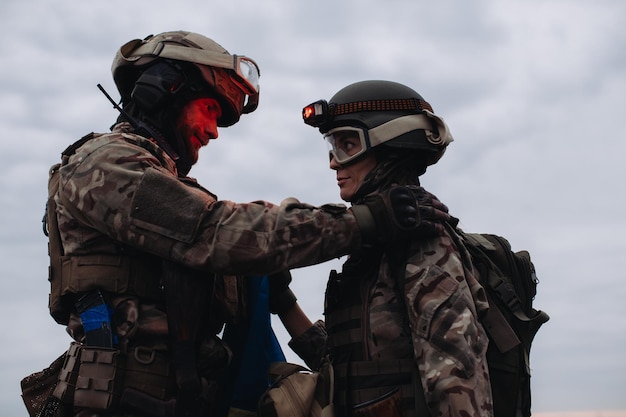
137	375
360	381
136	274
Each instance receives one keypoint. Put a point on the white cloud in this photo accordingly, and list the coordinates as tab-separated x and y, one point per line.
533	93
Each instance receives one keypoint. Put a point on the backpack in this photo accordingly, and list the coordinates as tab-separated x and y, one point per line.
511	322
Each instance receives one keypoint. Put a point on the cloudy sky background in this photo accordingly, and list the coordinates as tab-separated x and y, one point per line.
533	92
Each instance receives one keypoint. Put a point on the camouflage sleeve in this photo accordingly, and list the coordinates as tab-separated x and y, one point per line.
310	346
117	187
449	342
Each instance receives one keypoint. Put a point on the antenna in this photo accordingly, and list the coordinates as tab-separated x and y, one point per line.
141	128
116	106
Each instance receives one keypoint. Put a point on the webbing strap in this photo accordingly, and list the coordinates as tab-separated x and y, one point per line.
381	105
499	328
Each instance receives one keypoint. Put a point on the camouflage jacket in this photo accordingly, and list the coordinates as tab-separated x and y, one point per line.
442	336
122	189
120	193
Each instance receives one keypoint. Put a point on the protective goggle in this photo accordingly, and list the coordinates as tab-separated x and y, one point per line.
247	71
347	143
246	78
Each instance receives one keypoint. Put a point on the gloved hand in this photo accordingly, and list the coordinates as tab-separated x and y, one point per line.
281	296
434	213
399	213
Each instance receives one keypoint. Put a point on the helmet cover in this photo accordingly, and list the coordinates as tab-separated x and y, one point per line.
232	79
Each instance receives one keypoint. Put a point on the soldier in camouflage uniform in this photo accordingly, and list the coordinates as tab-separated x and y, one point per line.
402	318
143	258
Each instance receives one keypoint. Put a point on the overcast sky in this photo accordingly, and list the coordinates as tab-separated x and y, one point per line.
533	91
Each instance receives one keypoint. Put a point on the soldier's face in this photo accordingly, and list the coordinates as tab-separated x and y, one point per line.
197	124
350	176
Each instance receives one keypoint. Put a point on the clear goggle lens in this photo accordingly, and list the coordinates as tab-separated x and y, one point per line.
248	73
346	143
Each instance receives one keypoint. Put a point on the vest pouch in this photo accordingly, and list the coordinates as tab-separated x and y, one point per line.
370	387
100	377
66	383
386	406
150	372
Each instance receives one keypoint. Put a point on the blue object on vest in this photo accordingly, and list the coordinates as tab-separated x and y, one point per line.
254	346
95	315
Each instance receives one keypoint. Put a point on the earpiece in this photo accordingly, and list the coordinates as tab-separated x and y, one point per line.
157	85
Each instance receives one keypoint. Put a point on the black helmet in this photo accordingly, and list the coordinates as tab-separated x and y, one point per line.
154	70
383	113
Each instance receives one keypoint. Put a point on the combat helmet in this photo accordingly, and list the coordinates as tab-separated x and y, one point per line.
159	68
383	113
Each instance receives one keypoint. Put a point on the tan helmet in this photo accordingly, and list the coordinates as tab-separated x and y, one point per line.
233	78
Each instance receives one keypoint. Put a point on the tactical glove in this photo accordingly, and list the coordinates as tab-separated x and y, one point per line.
281	297
434	213
398	214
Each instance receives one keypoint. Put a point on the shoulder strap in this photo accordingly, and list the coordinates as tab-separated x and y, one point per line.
398	262
495	323
70	150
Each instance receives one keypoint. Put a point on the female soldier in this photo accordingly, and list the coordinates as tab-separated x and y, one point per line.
402	318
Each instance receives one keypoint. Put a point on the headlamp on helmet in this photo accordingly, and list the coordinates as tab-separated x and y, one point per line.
315	114
321	112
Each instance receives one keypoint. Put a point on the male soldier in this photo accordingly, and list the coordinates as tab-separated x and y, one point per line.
142	256
401	320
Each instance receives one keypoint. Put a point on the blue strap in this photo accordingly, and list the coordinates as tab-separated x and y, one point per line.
254	346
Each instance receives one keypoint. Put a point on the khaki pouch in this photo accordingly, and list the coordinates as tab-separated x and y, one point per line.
64	390
386	406
98	383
